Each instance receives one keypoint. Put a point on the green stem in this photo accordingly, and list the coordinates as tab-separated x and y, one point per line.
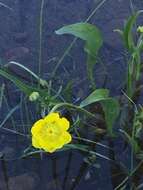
122	183
65	104
133	145
40	38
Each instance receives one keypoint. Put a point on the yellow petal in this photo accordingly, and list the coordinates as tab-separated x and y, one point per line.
52	117
66	138
64	124
37	126
35	142
49	148
51	133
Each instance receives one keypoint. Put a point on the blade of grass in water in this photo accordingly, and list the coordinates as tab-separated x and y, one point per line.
21	114
23	67
9	115
4	5
92	142
1	94
40	38
28	120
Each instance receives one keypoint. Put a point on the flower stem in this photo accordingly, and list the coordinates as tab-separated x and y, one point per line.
78	108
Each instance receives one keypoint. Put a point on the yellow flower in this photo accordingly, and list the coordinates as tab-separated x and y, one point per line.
50	133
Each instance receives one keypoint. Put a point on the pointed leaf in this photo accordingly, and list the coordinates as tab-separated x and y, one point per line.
87	32
111	110
96	96
110	106
93	41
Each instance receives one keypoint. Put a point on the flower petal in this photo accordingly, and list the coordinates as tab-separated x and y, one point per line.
64	124
37	126
66	137
51	133
52	117
35	142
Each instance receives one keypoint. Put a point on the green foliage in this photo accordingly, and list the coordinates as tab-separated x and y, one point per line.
110	106
111	109
28	89
93	42
50	100
95	96
127	32
132	141
134	47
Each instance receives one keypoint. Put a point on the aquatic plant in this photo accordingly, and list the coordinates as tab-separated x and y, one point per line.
63	122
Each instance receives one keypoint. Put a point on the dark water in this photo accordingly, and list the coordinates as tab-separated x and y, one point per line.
19	41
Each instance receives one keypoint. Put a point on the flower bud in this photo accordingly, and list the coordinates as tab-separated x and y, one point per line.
140	29
34	96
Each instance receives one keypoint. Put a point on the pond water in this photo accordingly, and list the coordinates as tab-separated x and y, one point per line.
19	41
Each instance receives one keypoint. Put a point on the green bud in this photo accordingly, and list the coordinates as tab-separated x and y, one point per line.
34	96
140	29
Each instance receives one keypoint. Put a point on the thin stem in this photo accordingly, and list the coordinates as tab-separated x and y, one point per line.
131	174
136	168
63	56
133	140
122	183
93	142
40	38
95	10
65	104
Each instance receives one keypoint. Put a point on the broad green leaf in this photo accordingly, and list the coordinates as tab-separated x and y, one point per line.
110	106
93	41
96	96
111	110
87	32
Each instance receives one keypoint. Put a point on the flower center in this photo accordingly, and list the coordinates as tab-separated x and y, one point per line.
50	131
